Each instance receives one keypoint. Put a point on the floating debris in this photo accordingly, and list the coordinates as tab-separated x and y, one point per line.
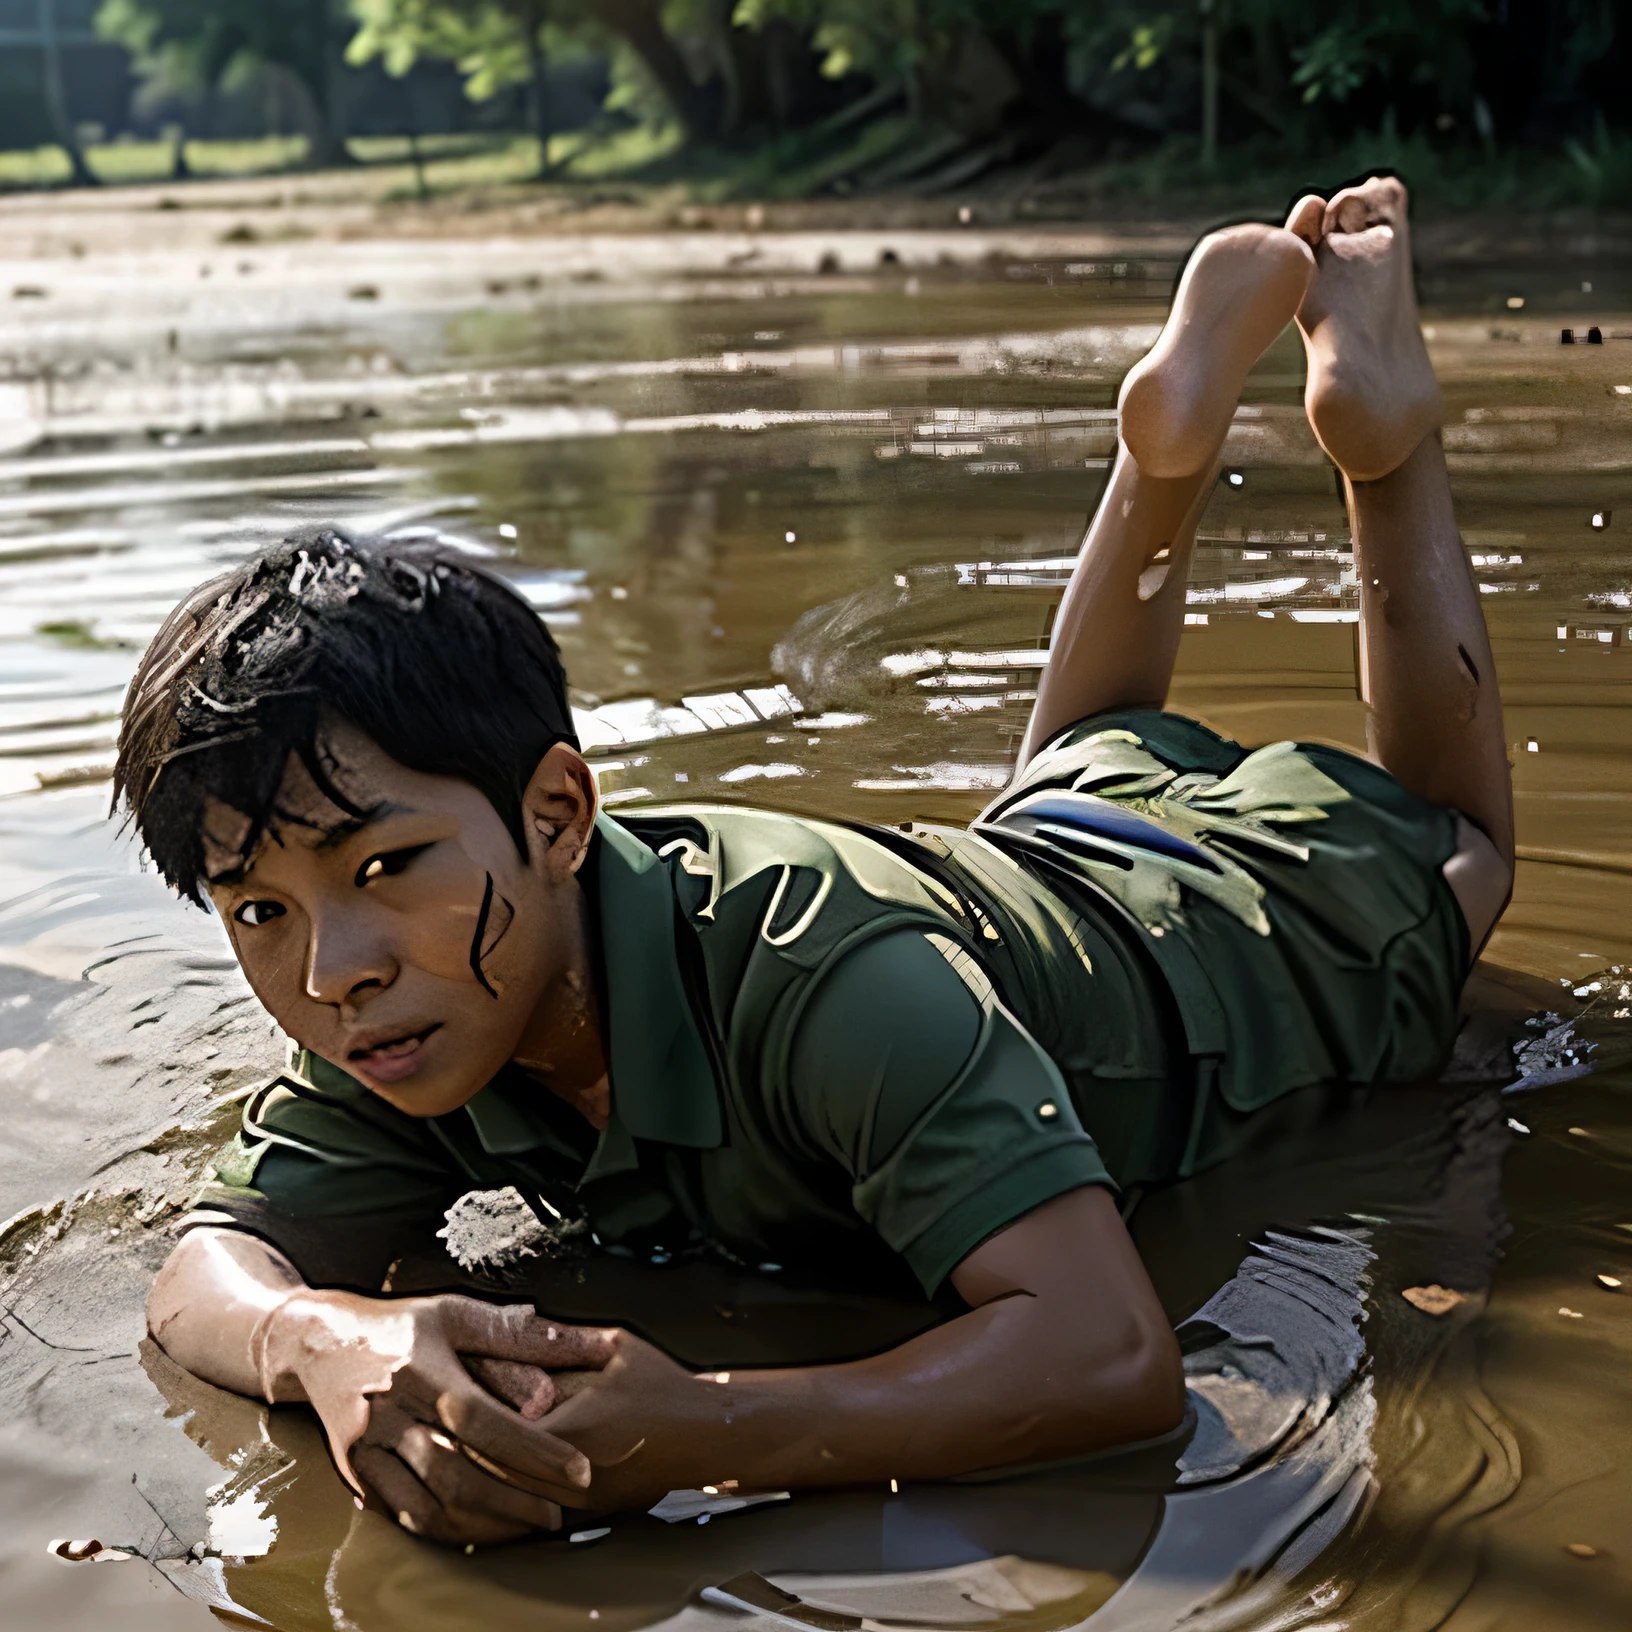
682	1506
1433	1299
1581	1549
773	771
1558	1055
583	1537
1568	1313
1517	1126
88	1552
1613	1282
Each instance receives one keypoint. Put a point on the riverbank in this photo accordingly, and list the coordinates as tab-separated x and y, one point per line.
476	190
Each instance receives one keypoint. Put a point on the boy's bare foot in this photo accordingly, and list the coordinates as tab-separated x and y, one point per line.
1239	291
1371	396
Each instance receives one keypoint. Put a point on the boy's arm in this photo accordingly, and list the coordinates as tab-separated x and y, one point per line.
391	1380
1065	1351
213	1291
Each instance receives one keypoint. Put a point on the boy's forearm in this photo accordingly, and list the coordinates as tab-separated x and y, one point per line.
1065	1350
1006	1383
994	1387
213	1291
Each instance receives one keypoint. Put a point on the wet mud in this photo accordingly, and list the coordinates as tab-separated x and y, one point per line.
800	535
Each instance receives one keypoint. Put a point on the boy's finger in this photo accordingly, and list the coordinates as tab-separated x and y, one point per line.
394	1489
527	1389
477	1419
460	1486
565	1384
514	1332
551	1490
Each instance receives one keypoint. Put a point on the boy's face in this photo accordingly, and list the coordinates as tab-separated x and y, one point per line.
415	948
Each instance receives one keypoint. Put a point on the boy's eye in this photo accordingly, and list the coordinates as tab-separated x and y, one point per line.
388	864
256	913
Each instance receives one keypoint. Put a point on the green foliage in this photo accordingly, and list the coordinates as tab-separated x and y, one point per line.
486	38
1123	78
209	36
1606	167
1146	43
1411	40
1337	61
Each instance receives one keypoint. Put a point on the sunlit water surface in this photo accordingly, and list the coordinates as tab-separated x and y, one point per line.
800	538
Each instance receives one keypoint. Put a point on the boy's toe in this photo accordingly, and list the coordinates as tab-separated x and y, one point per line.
1308	219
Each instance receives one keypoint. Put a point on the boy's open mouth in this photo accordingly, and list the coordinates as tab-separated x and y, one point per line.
395	1058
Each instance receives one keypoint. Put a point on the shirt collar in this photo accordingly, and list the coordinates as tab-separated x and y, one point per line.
663	1085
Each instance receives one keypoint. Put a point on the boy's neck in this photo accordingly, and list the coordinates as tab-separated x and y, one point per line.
563	1046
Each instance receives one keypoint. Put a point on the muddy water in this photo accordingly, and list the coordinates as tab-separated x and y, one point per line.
800	534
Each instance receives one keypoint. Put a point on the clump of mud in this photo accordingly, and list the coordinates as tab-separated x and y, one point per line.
495	1232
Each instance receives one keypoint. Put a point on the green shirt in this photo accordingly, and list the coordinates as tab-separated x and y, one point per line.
811	1065
858	1053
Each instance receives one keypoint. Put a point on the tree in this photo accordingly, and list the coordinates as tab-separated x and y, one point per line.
496	43
1311	77
56	101
212	37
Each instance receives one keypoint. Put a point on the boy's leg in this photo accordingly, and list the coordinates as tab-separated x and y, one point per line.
1118	627
1426	675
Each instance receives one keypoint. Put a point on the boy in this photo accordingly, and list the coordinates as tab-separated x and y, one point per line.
878	1055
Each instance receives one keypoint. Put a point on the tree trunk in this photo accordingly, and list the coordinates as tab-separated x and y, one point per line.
325	142
538	90
56	98
318	72
1038	61
640	23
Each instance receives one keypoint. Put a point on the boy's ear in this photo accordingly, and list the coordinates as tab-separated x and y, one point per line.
559	807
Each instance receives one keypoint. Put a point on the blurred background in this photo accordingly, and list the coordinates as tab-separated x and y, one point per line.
1053	103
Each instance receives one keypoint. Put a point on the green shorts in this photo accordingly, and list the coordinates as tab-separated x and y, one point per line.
1291	896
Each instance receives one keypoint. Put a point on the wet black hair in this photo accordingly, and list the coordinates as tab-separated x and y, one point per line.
438	661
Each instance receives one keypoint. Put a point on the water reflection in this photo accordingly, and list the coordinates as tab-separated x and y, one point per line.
800	539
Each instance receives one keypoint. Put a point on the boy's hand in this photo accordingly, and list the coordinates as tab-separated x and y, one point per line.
646	1424
397	1400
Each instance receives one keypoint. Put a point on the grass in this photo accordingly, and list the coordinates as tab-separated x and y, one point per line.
72	633
452	162
471	162
1250	176
605	156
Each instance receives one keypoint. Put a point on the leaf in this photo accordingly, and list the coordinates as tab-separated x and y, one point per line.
1433	1300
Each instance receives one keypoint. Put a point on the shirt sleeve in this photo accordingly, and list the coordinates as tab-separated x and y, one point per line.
341	1189
949	1118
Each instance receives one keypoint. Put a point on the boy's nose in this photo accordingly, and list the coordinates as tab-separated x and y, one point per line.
345	963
